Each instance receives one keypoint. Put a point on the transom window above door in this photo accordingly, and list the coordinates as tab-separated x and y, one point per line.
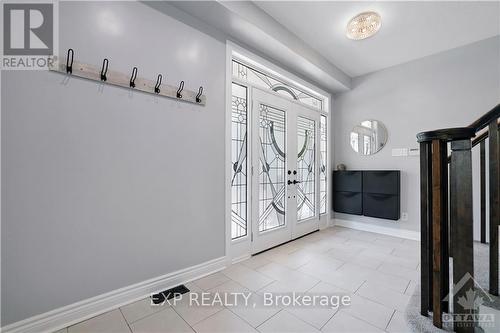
257	78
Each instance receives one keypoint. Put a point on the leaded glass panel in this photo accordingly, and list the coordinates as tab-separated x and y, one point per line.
251	75
272	202
322	165
239	161
306	172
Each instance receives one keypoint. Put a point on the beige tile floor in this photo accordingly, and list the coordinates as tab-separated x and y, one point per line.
379	273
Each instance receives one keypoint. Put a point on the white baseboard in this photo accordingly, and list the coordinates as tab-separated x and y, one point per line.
403	233
240	258
71	314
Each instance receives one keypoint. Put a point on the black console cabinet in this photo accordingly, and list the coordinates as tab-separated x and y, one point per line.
369	193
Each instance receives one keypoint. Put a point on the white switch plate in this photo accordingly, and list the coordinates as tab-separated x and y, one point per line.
414	152
400	152
404	216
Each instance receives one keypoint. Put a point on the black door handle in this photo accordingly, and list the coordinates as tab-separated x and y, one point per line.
289	182
297	181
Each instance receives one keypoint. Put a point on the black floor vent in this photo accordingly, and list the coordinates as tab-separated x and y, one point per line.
168	294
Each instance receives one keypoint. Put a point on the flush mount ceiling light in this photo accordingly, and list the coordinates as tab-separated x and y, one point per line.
363	25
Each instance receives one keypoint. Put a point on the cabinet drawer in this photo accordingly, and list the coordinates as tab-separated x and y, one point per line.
383	206
347	181
348	202
383	182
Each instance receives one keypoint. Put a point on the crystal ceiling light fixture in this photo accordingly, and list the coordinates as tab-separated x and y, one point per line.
363	25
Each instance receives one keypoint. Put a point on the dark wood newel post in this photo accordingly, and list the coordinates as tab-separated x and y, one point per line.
425	228
494	175
482	191
461	217
440	258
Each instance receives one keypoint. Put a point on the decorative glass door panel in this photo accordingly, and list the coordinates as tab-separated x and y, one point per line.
284	178
306	168
304	194
272	147
322	165
239	161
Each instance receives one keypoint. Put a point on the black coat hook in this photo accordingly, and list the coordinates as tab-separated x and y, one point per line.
181	86
158	83
132	78
198	96
69	64
104	69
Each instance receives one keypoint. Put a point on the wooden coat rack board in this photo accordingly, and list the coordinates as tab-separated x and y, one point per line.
130	81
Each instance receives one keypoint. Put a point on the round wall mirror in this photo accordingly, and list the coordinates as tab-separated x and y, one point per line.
368	137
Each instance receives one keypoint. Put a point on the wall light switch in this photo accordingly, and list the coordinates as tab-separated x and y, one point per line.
404	216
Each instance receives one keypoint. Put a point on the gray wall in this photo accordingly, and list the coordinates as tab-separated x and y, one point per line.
449	89
103	189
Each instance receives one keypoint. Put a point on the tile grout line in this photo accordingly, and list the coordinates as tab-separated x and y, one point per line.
343	263
363	320
265	321
361	285
146	316
184	320
215	286
313	286
408	286
329	319
194	324
389	322
302	320
378	302
266	285
126	322
229	309
255	327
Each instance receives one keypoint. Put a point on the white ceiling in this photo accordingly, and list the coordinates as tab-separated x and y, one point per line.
410	30
245	24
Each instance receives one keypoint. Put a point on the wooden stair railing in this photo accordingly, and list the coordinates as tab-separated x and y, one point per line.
480	139
447	221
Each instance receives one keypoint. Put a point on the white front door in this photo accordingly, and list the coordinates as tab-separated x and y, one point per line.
285	170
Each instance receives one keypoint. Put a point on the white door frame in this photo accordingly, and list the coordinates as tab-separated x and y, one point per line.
240	249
